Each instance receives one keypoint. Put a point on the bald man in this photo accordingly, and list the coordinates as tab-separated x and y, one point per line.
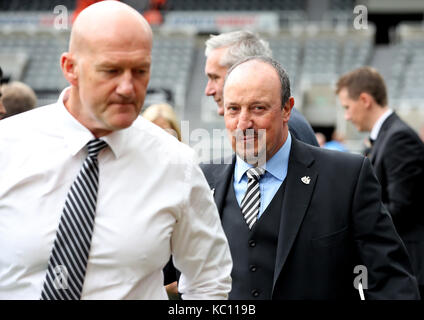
94	199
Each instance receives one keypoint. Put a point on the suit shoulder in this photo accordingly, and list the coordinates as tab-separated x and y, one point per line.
335	157
213	168
402	138
301	129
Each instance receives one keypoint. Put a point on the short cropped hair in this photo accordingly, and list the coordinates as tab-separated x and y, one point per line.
17	97
364	79
282	75
241	44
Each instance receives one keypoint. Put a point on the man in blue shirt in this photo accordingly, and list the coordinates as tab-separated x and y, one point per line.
299	220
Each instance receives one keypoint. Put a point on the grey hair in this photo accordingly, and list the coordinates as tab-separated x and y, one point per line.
241	44
282	75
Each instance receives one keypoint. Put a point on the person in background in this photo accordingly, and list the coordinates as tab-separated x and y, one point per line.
94	199
336	142
422	133
299	219
164	116
397	155
321	138
2	108
224	50
17	97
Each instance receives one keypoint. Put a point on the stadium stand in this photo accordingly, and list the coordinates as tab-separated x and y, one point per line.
35	5
238	5
314	47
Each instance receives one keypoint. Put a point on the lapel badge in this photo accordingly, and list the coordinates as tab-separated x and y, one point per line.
306	179
213	191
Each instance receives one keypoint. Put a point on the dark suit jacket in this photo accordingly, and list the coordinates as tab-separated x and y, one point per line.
301	129
398	160
329	226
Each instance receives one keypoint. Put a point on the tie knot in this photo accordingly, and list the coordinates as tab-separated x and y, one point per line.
255	173
95	146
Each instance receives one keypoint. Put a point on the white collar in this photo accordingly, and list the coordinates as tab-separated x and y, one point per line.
76	135
377	126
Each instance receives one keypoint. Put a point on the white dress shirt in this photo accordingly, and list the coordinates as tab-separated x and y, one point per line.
377	125
153	201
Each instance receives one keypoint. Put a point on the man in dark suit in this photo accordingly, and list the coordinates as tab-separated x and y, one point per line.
225	49
222	51
300	220
397	155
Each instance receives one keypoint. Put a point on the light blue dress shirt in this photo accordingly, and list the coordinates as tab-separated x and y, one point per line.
276	172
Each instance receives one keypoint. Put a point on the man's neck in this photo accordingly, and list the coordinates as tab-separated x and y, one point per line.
378	112
375	130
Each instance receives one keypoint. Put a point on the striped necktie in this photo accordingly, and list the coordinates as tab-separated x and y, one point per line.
68	259
252	199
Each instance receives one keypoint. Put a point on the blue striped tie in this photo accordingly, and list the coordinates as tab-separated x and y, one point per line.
252	198
68	259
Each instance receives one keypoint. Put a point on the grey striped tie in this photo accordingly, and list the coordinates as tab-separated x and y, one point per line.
68	259
252	199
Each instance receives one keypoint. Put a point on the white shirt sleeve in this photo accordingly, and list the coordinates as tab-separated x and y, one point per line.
199	246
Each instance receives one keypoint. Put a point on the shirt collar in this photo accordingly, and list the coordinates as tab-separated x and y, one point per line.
273	165
76	135
377	126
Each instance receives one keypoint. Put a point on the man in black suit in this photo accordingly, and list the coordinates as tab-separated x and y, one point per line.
222	51
225	49
397	155
318	213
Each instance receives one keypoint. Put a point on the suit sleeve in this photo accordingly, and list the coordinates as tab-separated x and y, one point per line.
403	162
379	246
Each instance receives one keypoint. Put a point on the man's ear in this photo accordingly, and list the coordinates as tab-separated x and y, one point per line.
366	99
69	69
287	109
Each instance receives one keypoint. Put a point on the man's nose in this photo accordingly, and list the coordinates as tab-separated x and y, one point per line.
210	89
126	86
245	121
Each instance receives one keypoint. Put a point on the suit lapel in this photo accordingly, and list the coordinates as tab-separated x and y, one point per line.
297	196
222	180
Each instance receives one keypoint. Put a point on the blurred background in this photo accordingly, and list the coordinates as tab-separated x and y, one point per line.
315	40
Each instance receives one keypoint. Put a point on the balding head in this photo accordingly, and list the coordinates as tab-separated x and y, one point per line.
108	66
108	21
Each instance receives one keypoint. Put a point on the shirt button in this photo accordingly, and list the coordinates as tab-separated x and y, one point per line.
252	243
253	268
255	293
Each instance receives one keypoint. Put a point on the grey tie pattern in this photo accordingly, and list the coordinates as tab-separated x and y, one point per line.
68	259
252	199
